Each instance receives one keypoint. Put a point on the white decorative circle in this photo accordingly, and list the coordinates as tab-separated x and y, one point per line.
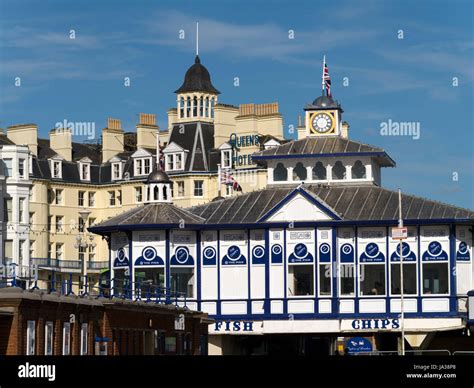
376	247
258	252
276	249
178	254
347	249
324	248
149	253
121	255
302	247
209	253
463	247
236	249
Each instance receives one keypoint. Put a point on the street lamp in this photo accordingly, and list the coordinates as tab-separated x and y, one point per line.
81	242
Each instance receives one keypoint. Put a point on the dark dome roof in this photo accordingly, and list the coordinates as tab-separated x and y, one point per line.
197	79
325	102
158	176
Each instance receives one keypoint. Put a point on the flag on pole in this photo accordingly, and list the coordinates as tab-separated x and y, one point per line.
227	179
327	79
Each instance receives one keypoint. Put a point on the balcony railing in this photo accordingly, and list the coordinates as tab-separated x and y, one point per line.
54	263
98	265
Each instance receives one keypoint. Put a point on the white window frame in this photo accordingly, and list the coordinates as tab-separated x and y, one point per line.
178	193
112	198
58	199
66	335
116	174
223	158
22	166
142	166
91	196
85	171
30	338
84	339
174	161
290	265
81	201
48	334
59	251
56	169
202	188
59	224
138	194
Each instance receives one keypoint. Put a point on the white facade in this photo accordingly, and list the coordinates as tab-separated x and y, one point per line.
15	196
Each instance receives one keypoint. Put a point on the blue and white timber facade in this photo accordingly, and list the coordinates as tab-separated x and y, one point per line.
310	256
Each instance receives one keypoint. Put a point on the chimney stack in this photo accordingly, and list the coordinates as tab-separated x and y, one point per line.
146	131
60	141
112	139
24	134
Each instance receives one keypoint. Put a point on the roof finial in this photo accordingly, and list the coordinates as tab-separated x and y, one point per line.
322	78
197	38
158	162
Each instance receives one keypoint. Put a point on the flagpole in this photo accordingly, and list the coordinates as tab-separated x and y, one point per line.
402	310
197	38
218	179
322	77
158	165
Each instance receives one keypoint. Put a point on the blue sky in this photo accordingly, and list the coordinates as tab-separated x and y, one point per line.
403	80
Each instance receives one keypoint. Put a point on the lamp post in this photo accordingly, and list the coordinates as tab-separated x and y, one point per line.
81	242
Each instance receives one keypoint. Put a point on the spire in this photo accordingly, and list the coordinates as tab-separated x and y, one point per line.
158	164
197	40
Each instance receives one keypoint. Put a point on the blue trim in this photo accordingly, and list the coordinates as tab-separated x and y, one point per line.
296	224
130	262
284	251
387	270
249	290
198	269
420	279
335	154
316	272
293	194
356	269
334	288
218	302
167	266
267	306
452	266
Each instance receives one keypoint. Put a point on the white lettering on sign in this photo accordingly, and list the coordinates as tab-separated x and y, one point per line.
222	326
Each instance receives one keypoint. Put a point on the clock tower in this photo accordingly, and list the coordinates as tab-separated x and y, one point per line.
323	117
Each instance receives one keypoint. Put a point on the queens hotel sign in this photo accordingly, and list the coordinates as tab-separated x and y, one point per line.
239	142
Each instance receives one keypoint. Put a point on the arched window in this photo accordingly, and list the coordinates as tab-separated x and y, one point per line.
280	173
206	108
195	108
165	193
201	106
338	171
213	102
181	107
319	172
299	172
188	107
358	170
155	192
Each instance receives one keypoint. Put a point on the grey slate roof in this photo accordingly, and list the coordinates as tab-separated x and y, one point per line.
152	213
197	79
314	146
4	140
351	203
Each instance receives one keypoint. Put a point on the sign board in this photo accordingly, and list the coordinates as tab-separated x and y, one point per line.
399	233
358	344
179	322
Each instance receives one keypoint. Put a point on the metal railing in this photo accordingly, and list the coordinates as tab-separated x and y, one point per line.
114	288
54	263
98	265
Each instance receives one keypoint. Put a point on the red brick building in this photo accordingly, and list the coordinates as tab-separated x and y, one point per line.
40	323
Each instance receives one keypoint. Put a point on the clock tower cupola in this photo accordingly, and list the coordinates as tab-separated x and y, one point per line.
323	115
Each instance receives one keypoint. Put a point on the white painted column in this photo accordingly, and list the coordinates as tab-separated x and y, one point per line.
270	174
290	174
309	173
329	172
349	172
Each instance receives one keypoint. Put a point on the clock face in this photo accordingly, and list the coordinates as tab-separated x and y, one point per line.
322	122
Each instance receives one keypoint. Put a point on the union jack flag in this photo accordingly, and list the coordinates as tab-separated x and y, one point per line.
327	80
229	180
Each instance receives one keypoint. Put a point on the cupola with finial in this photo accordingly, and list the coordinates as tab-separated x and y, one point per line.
158	188
197	96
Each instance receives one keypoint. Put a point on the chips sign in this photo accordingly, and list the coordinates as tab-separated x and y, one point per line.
399	233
